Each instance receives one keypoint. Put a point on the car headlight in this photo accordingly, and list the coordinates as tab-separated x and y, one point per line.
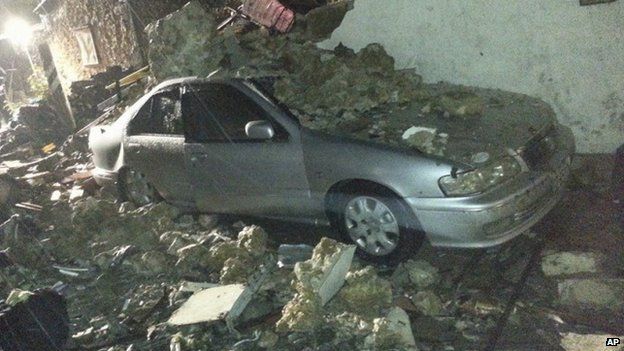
481	179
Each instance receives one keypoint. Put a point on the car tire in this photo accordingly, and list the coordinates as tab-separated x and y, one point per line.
383	228
134	187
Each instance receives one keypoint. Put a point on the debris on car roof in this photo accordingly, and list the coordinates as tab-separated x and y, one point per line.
355	94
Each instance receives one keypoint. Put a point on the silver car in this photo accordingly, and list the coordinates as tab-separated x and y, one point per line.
226	146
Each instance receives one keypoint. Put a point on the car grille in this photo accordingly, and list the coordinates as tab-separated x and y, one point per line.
541	149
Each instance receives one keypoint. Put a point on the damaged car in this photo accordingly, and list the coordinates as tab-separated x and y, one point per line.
228	146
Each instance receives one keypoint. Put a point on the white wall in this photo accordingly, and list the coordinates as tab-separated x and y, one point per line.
570	56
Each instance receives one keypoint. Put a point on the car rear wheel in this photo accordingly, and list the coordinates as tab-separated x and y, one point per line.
134	187
380	225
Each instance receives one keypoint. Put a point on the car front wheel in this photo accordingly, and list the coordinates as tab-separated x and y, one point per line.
380	225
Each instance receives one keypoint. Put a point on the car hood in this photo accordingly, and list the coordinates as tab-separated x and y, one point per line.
509	121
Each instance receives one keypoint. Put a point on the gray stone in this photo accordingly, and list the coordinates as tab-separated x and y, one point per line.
209	305
427	303
601	294
565	263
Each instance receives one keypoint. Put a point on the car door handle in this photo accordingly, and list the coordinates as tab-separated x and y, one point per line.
134	145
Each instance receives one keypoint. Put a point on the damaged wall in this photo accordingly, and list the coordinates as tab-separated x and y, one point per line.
113	34
570	56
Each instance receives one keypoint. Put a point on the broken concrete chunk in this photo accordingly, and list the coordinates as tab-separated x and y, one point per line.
208	305
182	37
237	270
392	332
460	104
349	325
208	222
325	272
304	313
420	273
600	294
565	263
427	303
322	21
584	342
365	293
16	296
154	263
253	239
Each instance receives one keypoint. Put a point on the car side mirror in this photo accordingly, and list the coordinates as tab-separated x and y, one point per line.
259	130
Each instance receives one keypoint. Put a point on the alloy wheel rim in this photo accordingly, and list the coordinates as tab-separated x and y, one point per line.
372	225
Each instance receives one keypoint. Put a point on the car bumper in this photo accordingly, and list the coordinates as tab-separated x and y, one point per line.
501	214
104	177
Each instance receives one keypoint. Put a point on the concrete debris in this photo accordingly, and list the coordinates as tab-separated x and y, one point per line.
600	294
325	272
208	305
461	104
365	293
419	273
566	263
302	314
17	296
392	332
318	280
583	342
428	303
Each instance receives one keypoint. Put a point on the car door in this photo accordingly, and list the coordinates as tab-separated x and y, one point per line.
232	173
154	146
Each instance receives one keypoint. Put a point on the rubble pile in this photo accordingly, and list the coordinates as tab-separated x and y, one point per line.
355	94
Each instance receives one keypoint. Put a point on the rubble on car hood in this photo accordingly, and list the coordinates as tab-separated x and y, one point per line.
340	91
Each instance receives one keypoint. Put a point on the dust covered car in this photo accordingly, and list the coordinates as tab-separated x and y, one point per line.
226	146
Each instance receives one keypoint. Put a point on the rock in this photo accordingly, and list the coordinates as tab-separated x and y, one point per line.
193	256
392	332
221	252
154	263
427	303
565	263
184	37
322	21
325	272
348	326
126	207
600	294
17	296
186	221
419	273
253	239
268	340
365	293
208	222
209	305
304	313
237	270
583	342
175	241
460	104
